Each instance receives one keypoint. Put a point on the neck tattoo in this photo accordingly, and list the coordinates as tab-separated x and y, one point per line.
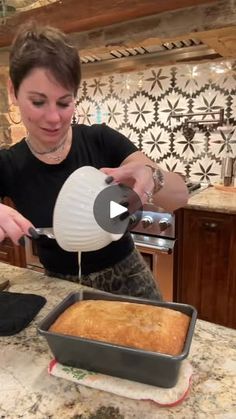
49	153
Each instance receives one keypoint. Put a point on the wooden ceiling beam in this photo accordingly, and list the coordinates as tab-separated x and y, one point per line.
158	29
223	41
77	16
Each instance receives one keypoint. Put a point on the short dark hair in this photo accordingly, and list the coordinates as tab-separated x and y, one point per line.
37	46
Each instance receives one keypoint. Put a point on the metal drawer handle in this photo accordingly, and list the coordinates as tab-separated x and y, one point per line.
210	225
161	249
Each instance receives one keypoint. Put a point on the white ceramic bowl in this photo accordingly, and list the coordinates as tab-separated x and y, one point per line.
75	227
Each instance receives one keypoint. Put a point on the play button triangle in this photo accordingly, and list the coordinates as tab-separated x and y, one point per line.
116	209
112	216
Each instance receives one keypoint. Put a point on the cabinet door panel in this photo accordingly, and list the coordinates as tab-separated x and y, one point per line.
7	254
205	279
10	253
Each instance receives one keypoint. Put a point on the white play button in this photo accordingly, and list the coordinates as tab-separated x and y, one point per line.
116	209
113	206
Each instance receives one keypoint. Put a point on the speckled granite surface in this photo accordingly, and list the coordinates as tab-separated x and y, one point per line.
27	391
212	199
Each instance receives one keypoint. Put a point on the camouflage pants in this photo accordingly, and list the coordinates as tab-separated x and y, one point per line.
130	277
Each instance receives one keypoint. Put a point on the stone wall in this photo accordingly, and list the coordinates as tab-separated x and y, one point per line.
4	122
11	128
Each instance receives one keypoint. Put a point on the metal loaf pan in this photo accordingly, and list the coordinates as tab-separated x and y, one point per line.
130	363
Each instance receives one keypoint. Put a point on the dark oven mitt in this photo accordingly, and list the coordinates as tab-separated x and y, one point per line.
17	311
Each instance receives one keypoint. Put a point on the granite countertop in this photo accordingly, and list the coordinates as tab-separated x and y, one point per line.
28	391
212	199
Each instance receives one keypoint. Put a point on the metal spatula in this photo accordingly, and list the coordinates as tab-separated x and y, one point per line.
45	231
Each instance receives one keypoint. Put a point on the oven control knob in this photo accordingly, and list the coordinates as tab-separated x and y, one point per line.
164	224
147	221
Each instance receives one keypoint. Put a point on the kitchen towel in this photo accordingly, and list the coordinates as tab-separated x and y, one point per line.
17	311
125	388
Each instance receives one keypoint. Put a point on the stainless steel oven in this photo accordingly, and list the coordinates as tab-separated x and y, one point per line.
154	237
158	253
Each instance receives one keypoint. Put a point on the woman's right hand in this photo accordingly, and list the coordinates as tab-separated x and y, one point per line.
14	225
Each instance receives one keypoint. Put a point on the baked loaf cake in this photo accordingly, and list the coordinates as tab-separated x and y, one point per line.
135	325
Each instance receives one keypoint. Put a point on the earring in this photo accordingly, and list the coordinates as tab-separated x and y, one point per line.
11	112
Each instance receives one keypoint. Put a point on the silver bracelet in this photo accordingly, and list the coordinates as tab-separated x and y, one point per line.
158	178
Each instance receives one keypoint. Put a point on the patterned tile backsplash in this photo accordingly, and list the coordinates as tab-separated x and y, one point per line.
141	106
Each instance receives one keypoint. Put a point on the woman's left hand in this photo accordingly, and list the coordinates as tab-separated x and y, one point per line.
135	175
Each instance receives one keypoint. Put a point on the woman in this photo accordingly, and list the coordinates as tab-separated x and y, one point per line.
44	80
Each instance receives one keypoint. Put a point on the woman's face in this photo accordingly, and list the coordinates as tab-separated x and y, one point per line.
46	107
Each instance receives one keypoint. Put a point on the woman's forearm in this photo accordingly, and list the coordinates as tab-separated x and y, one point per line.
173	194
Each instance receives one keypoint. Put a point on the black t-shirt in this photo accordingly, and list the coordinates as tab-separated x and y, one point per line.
33	186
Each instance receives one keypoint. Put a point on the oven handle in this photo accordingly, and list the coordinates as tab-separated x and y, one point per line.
155	243
161	249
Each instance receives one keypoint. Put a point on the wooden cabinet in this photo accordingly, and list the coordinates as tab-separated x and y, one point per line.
10	253
205	261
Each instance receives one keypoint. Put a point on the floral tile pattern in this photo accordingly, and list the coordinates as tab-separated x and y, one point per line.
205	170
87	111
224	141
190	79
157	80
210	100
113	110
156	142
141	106
98	88
173	164
189	148
141	111
169	105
